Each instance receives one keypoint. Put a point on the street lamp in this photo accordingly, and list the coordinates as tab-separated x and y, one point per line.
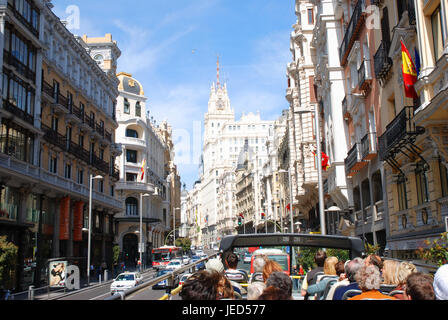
140	245
319	168
91	178
174	225
290	196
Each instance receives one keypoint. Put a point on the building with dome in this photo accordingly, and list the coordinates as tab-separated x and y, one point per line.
143	187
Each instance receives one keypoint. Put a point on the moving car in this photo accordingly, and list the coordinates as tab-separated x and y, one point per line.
199	252
125	281
164	283
200	265
174	264
185	259
183	278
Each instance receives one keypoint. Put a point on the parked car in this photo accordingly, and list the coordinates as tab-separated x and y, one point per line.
125	281
164	283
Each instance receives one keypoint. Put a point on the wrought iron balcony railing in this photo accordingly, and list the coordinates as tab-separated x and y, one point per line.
368	146
364	75
382	61
352	160
399	133
352	32
22	114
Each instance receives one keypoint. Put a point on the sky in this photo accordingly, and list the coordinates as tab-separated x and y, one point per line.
171	48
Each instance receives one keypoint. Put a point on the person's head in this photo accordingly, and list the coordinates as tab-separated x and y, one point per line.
270	267
225	289
215	264
352	267
339	267
254	290
404	269
259	263
319	258
390	271
273	293
374	260
281	280
202	285
231	261
441	283
419	287
368	278
329	266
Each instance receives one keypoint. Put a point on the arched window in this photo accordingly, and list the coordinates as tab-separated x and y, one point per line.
131	133
131	206
127	108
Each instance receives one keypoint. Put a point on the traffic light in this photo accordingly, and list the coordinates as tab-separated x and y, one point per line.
239	221
263	215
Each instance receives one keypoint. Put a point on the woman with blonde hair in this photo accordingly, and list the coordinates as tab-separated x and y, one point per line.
318	289
389	272
404	269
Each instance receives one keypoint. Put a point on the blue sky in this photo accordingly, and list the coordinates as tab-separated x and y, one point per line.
171	47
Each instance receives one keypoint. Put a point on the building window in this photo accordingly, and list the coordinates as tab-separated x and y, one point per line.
101	185
402	197
131	133
436	24
131	156
16	141
131	177
131	207
138	109
311	16
80	176
422	182
53	164
127	106
68	171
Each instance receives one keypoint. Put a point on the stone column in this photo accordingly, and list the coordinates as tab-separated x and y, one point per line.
55	208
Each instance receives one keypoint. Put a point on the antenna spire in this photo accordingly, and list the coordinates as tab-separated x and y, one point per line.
217	73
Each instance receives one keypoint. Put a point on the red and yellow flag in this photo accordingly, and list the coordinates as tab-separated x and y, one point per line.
142	171
409	73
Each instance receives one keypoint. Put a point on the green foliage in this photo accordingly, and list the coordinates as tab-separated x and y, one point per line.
8	258
437	251
371	249
185	243
341	254
305	257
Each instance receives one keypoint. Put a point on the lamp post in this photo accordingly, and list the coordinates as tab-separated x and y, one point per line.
174	225
290	197
319	168
140	245
91	178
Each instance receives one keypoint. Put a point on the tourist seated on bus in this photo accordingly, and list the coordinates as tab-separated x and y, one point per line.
278	287
317	290
256	284
369	281
403	271
342	280
235	276
351	268
441	283
419	286
311	276
202	285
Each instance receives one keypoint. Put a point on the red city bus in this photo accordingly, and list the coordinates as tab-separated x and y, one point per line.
163	255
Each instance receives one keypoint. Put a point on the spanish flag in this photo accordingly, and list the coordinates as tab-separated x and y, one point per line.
142	171
409	73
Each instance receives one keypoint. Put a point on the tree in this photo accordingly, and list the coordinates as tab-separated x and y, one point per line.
8	258
185	243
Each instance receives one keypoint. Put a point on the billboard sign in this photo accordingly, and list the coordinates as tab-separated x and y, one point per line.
57	273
